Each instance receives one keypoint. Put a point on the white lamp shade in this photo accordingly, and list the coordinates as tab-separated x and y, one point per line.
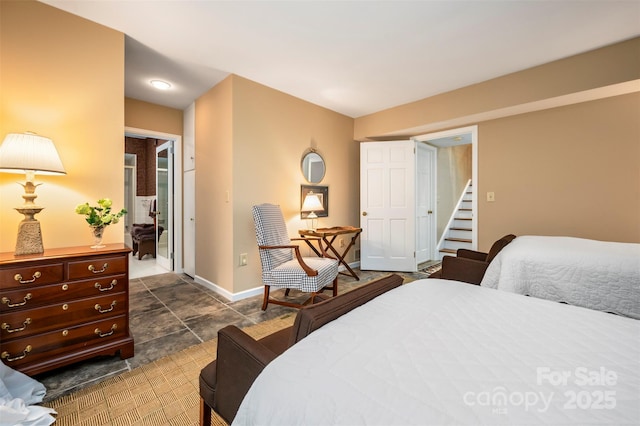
22	152
312	203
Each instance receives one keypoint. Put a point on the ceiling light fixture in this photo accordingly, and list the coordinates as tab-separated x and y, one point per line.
159	84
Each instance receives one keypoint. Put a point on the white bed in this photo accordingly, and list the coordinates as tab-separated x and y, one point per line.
600	275
436	352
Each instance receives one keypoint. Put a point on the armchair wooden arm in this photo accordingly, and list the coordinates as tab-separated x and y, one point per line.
307	269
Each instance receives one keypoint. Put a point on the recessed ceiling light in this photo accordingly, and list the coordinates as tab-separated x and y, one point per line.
159	84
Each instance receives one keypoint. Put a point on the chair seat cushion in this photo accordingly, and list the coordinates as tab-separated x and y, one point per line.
291	275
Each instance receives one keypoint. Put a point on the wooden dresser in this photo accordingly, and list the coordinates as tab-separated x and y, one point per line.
64	306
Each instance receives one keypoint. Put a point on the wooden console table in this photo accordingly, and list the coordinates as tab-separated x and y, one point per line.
328	236
64	306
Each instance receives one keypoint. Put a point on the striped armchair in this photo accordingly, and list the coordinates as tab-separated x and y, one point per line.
282	264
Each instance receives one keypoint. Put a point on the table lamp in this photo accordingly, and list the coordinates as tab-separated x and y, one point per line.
30	154
312	204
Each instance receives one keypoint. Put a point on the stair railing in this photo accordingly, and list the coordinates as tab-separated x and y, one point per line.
445	232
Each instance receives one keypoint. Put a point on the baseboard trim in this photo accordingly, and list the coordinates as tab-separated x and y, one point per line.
256	291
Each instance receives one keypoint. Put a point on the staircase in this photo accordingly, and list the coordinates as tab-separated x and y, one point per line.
459	230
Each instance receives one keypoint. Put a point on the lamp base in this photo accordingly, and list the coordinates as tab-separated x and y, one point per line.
29	238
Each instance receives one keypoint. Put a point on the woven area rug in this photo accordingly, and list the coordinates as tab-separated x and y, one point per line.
433	268
165	392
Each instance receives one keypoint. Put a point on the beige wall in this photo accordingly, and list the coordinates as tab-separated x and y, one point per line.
570	170
147	116
256	147
63	77
596	69
213	159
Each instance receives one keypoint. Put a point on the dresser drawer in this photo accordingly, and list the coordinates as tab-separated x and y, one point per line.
55	343
26	298
30	276
37	320
96	267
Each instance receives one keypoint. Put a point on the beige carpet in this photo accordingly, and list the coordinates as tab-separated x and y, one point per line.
165	392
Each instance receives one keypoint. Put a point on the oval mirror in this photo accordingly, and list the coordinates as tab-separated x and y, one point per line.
313	167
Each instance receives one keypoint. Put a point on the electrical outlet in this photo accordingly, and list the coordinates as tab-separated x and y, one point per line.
491	196
243	259
341	242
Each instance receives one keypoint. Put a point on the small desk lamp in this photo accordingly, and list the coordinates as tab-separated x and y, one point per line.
312	204
29	153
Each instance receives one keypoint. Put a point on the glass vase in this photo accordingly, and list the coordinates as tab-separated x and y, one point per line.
97	232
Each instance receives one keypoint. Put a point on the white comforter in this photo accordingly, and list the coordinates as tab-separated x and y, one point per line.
437	352
593	274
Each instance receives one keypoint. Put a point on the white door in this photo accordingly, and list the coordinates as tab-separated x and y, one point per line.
425	200
387	206
190	223
164	204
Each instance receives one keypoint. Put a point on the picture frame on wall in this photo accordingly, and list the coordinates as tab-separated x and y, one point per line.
323	194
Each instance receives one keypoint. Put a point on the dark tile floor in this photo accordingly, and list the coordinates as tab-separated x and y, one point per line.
170	312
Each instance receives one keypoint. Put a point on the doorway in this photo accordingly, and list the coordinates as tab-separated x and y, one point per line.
449	191
167	200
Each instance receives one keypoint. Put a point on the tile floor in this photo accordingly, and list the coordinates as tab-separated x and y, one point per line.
170	312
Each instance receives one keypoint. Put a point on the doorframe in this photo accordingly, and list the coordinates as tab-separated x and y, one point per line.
473	130
177	186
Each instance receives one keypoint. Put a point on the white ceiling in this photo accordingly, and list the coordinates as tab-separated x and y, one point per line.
353	57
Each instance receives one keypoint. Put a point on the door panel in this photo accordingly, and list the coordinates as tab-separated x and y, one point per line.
425	199
387	201
164	204
189	223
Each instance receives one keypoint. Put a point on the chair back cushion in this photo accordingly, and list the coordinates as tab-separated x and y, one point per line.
499	245
271	231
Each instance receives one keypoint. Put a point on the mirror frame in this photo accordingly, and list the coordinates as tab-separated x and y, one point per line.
306	157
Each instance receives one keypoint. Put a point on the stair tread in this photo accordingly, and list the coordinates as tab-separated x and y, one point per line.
444	250
465	210
460	229
462	218
460	240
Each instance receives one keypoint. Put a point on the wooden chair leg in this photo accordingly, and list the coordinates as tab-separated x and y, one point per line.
335	287
205	413
286	292
265	300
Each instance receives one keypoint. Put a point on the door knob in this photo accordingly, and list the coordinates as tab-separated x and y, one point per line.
364	213
430	212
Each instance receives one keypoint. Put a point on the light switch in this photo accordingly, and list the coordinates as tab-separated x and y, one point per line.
491	196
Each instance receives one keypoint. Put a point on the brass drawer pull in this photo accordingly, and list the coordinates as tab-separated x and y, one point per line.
93	268
6	326
18	278
111	286
6	355
7	301
104	311
101	334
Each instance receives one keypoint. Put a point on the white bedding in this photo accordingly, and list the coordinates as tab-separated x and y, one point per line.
437	352
594	274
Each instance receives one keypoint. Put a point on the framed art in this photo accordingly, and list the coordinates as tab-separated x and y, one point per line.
323	195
